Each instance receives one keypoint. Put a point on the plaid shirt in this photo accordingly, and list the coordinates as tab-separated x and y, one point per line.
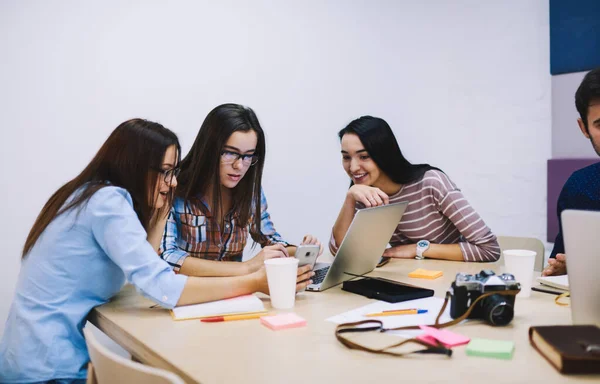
191	230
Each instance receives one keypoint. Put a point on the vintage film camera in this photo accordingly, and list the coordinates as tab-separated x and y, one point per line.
497	309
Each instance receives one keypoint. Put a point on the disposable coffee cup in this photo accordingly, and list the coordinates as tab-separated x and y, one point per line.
520	263
281	276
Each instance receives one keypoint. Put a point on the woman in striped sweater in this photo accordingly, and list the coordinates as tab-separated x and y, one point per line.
438	223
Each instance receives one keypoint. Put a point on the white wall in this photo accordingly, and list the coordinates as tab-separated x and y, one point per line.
464	84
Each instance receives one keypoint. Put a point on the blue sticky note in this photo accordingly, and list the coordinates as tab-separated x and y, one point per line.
498	349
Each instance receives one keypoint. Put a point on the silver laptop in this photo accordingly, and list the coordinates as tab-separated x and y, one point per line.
362	247
582	248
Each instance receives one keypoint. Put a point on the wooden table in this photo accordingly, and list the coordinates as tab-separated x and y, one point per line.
248	352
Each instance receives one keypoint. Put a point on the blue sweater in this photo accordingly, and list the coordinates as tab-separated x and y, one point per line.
582	192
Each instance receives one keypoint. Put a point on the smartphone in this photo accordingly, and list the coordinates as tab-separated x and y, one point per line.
383	261
307	254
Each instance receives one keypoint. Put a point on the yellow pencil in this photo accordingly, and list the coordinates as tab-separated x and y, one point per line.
244	316
397	312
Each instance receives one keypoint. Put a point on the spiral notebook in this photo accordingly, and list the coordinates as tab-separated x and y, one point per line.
235	305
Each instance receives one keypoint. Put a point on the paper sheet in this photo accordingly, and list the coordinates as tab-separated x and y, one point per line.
432	304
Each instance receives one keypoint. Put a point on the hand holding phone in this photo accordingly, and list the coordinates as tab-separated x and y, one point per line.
307	254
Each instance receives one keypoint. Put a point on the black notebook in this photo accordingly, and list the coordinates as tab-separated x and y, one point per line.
385	290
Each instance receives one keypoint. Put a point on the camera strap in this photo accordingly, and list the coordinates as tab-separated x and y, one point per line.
377	325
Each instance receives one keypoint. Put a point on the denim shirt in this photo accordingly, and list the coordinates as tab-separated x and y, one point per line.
80	261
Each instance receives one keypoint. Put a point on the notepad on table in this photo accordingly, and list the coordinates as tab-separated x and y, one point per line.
235	305
283	321
498	349
447	338
560	282
425	274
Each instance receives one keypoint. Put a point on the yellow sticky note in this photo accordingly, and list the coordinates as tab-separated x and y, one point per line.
425	274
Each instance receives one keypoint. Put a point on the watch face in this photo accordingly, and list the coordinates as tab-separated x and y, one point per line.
422	243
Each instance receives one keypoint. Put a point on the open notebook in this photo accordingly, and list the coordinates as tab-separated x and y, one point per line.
559	282
236	305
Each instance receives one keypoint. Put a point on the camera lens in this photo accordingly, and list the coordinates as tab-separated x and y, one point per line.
497	311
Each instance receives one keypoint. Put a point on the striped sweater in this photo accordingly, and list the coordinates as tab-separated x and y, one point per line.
438	212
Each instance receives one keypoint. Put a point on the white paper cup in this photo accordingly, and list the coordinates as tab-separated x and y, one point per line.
520	263
281	277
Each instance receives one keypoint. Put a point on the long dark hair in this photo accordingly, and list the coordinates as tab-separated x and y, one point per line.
200	169
130	158
381	144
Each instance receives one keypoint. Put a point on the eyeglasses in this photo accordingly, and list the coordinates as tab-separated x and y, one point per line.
228	157
168	174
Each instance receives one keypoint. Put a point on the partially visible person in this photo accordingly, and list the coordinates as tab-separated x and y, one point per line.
219	201
582	189
94	233
438	223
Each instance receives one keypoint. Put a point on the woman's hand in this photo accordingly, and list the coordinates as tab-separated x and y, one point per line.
369	196
304	275
557	266
268	252
408	251
302	280
157	228
311	240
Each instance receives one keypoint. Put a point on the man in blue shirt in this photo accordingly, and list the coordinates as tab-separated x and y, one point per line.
582	190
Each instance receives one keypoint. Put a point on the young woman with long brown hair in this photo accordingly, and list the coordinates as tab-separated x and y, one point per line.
219	201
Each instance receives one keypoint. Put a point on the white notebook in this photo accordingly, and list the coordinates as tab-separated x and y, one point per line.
560	282
236	305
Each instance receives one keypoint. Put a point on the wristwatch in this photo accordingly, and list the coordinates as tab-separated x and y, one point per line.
422	246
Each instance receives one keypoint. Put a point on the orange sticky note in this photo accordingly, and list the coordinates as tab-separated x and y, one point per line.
425	274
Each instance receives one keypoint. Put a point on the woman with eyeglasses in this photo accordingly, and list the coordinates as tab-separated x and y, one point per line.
219	201
95	232
438	223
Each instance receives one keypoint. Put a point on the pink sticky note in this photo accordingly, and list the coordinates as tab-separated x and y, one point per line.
447	338
283	321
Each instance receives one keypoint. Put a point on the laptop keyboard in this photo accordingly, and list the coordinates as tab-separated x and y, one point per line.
319	275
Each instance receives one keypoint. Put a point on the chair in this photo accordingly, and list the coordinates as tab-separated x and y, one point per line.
108	367
529	243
